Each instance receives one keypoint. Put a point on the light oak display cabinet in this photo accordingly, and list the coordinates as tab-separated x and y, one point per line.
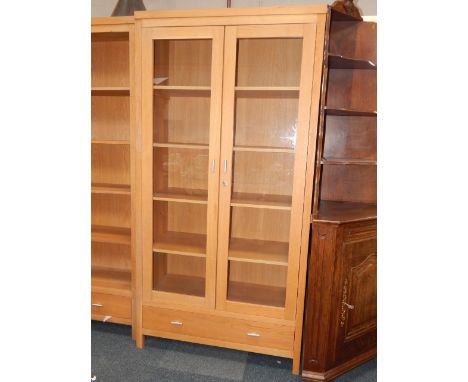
228	104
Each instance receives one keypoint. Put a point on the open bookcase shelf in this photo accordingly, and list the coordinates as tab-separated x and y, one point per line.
111	281
116	235
104	188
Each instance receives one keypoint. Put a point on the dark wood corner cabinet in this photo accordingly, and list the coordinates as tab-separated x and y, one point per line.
340	323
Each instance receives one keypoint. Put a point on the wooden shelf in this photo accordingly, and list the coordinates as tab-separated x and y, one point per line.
115	235
176	87
256	294
336	61
181	284
114	89
277	202
196	146
264	149
344	212
259	251
117	189
180	243
111	281
349	112
180	197
363	162
109	142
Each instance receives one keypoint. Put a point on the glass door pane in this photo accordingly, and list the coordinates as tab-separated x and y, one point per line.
181	129
260	154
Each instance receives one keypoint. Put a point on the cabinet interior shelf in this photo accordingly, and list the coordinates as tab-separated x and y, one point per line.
182	284
349	112
180	197
264	149
256	294
112	281
264	89
336	61
276	202
103	188
180	243
177	87
109	142
115	235
258	251
344	212
198	146
363	162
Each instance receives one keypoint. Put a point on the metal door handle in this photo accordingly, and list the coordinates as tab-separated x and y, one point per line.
253	334
213	166
225	166
177	323
97	305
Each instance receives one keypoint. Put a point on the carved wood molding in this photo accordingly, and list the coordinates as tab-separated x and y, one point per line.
347	7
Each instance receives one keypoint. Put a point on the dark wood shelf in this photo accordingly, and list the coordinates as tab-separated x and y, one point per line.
336	61
344	212
363	162
349	112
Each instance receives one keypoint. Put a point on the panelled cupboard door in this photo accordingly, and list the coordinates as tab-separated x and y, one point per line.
181	119
267	89
357	322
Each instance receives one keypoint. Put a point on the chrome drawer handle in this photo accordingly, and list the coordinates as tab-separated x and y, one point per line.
253	334
177	323
348	305
106	318
97	305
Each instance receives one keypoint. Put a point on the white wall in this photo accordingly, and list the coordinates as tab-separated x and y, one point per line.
105	7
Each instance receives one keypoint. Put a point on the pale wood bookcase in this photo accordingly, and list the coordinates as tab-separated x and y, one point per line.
114	212
227	103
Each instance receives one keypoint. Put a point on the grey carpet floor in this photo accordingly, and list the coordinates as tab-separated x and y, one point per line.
116	359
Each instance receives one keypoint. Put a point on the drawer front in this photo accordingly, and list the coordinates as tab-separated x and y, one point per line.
229	329
111	305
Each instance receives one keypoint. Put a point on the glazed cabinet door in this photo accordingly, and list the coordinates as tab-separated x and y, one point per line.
266	105
181	122
357	322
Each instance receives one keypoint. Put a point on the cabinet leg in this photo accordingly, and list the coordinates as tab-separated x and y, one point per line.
296	365
139	341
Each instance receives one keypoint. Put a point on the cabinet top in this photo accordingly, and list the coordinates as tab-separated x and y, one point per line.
229	12
116	20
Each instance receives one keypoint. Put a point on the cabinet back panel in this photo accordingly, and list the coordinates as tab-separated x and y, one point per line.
260	224
354	40
110	164
110	210
181	117
269	62
179	217
352	89
349	183
266	120
108	255
110	60
263	173
110	117
262	274
183	62
350	138
183	169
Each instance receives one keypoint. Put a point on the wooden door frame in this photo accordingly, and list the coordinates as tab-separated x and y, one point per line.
148	35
